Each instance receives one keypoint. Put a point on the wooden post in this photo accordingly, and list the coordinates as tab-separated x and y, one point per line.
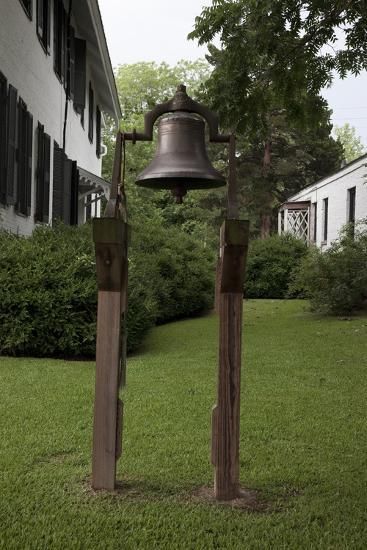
110	237
226	413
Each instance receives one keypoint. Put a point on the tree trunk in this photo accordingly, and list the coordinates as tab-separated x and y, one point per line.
265	223
265	226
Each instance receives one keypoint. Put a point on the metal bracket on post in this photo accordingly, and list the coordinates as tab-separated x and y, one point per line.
226	413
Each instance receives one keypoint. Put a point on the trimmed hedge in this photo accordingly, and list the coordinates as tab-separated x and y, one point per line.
48	291
270	264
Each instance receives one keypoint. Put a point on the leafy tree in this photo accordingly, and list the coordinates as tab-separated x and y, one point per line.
276	55
279	51
351	142
298	158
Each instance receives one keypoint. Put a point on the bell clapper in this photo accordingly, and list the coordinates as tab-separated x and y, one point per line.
178	192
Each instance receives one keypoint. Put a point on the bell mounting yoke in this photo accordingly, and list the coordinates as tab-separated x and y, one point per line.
180	102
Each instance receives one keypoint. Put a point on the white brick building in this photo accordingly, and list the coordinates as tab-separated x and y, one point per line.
318	212
56	81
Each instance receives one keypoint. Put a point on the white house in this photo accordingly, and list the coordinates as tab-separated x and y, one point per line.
318	212
56	81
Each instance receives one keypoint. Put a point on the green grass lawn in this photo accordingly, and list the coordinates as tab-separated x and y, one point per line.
303	441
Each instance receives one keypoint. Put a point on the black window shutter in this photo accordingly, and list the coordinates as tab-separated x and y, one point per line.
56	38
3	135
48	30
46	177
12	145
98	132
71	87
68	166
58	182
39	173
91	113
29	156
40	20
64	40
22	158
27	5
74	194
59	39
80	77
44	22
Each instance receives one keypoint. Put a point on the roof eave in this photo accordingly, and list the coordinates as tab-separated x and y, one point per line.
105	56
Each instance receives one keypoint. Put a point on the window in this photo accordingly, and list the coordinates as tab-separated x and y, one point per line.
24	158
314	221
27	6
351	204
42	175
43	23
325	208
65	188
91	113
3	135
60	39
98	132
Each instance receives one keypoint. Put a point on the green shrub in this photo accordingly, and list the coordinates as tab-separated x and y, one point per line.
269	265
335	281
48	292
180	269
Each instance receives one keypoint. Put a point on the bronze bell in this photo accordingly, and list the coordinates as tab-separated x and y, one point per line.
181	161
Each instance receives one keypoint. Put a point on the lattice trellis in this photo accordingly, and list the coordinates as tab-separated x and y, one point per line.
298	223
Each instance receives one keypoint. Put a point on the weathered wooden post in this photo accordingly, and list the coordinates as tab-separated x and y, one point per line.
226	413
110	238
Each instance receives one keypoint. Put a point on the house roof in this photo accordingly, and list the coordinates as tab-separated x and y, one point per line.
89	24
346	169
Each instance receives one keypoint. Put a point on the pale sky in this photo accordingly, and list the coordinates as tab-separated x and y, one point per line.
156	30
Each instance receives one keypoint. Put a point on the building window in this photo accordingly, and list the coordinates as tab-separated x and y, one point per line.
24	158
98	131
43	175
351	205
43	23
27	6
65	188
91	113
60	19
325	209
3	135
314	221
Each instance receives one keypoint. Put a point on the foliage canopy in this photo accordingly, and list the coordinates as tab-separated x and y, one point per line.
280	52
351	142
